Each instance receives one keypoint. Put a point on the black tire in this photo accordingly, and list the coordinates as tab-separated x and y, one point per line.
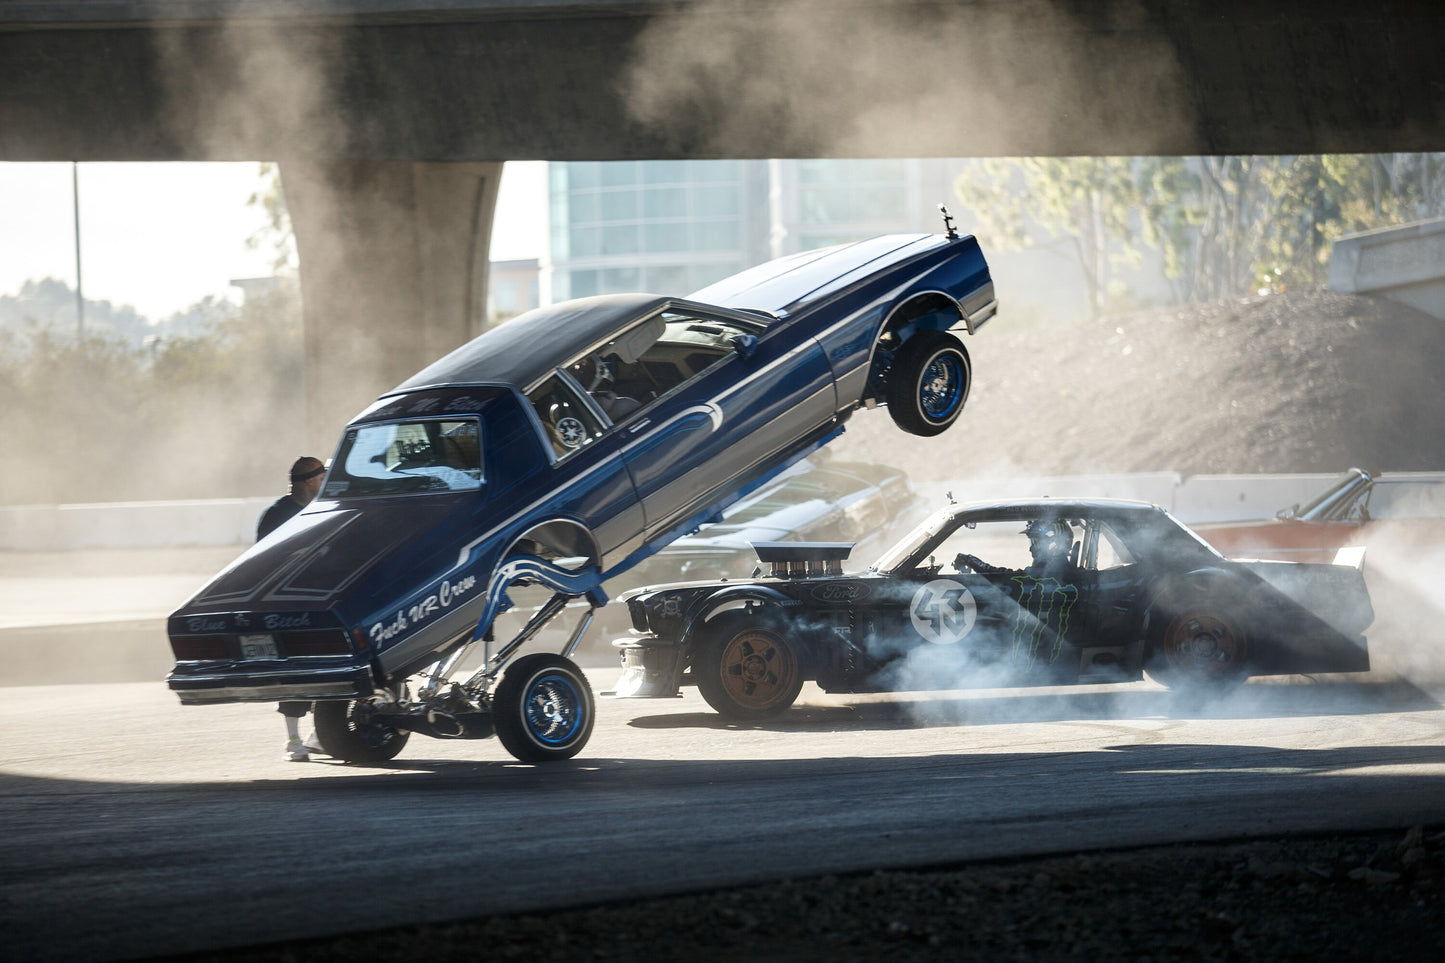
746	668
348	731
543	708
928	383
1198	641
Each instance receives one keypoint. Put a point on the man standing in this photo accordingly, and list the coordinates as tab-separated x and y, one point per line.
306	476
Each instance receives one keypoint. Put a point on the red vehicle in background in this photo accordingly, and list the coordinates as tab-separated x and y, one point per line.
1357	509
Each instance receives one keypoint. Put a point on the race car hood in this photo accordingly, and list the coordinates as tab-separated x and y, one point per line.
777	285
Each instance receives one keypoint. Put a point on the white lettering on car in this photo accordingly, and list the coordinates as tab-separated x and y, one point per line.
448	593
274	622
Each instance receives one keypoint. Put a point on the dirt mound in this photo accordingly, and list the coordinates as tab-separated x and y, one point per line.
1296	382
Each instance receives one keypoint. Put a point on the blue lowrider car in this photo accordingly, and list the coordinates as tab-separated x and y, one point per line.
560	449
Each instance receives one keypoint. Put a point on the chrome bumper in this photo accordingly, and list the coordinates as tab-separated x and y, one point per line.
199	687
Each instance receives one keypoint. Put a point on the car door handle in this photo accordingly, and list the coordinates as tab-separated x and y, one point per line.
644	423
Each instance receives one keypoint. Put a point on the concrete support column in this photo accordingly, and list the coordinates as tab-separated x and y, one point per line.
394	260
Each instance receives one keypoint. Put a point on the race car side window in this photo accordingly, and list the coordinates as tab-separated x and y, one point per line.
1107	550
568	422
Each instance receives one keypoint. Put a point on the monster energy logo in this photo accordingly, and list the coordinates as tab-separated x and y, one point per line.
1043	604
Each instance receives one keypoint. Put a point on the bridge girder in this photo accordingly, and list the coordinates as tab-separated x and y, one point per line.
496	80
391	117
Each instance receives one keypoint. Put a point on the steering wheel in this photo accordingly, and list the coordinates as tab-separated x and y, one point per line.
965	560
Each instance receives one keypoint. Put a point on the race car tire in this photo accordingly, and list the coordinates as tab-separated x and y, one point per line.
746	668
928	383
1198	640
543	709
347	731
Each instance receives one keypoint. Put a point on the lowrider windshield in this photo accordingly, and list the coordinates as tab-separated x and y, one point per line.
398	458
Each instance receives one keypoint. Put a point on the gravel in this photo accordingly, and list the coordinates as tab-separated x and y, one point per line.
1366	896
1311	381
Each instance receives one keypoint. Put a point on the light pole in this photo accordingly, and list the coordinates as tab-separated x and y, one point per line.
79	286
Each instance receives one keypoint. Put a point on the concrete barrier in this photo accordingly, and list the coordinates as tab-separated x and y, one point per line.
232	521
1227	498
172	524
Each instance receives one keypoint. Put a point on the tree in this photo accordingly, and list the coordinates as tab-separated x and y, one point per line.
101	417
1087	201
1223	226
277	232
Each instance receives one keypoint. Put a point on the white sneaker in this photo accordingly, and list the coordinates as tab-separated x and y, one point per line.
313	744
296	751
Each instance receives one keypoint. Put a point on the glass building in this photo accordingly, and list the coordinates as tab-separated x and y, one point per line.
671	227
663	226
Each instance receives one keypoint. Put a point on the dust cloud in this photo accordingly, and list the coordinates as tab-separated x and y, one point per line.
256	81
1405	571
859	79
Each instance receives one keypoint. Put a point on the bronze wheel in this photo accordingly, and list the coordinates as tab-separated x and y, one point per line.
748	669
1201	643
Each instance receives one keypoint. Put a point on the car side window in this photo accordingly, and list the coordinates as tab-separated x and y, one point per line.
1000	544
655	358
1107	550
567	421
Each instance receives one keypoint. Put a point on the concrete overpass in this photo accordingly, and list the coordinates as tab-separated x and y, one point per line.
391	118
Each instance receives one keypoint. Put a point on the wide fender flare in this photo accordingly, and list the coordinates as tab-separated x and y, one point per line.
1164	584
704	607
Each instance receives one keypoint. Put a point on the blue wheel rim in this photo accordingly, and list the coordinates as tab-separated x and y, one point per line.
553	709
940	390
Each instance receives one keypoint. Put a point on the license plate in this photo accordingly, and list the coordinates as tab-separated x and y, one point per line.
259	647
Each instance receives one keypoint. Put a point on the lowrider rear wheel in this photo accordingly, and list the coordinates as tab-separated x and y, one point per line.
1199	641
543	708
747	668
349	731
928	382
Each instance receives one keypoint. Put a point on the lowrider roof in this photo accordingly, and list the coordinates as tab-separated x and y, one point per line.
522	351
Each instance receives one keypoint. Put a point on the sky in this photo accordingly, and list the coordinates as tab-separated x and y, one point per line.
162	236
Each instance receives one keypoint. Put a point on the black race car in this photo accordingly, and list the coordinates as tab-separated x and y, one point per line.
1039	592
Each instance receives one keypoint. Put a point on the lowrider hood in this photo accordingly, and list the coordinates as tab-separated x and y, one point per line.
316	557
